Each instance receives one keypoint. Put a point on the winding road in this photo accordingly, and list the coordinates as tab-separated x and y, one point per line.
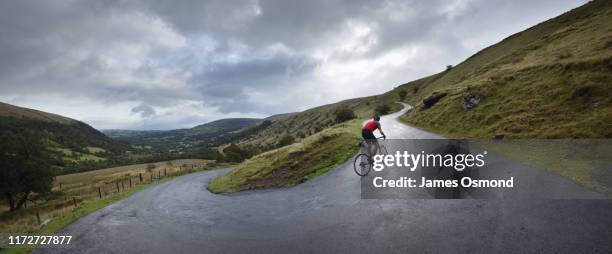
326	214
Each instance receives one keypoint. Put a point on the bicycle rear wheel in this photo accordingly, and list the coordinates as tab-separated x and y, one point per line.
362	164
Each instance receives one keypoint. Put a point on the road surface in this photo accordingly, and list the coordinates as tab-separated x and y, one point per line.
327	215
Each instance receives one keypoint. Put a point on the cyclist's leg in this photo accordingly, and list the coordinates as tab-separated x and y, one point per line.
373	147
376	147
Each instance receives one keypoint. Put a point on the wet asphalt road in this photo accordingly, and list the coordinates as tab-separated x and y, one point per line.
327	215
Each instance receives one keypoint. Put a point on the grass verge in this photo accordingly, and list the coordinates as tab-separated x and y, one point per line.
293	164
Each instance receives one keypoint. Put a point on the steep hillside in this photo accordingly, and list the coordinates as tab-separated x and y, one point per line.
550	81
74	142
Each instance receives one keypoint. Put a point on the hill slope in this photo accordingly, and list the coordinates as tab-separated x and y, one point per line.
552	80
73	141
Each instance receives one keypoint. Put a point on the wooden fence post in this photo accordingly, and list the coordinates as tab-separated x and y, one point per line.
38	217
140	176
158	175
130	181
117	182
74	200
100	192
165	173
60	186
151	177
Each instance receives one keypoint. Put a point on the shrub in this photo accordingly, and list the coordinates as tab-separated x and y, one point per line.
233	153
382	109
402	95
344	114
285	140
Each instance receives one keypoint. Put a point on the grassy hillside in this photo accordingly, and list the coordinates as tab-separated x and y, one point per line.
294	163
75	144
10	111
306	123
550	81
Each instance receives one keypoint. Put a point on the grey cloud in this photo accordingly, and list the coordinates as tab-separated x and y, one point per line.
144	110
132	52
226	79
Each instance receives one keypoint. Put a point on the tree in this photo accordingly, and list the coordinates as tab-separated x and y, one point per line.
382	109
233	153
402	95
344	114
25	167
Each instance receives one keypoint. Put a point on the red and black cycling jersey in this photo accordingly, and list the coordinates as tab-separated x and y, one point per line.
371	125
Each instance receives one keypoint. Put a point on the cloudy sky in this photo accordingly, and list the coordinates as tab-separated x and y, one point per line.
157	64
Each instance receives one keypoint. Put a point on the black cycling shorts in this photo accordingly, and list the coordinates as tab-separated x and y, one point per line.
367	134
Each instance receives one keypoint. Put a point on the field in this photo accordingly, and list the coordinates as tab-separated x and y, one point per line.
91	189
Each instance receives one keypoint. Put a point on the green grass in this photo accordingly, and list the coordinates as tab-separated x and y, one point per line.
287	166
94	150
585	162
107	174
550	81
312	121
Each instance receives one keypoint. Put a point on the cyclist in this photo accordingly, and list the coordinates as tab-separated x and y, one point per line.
368	134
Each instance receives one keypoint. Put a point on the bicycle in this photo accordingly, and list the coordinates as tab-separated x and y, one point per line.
363	163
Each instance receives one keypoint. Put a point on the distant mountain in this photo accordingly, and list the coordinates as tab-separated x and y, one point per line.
73	142
222	125
193	141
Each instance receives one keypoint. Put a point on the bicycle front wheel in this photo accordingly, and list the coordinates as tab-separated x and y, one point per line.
362	164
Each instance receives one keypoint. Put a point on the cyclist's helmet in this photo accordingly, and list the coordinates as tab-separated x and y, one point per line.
377	117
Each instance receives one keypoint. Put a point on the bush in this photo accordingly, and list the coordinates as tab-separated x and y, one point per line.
300	134
382	109
233	153
402	95
344	114
285	140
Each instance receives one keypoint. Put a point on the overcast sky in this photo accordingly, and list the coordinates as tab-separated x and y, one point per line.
175	64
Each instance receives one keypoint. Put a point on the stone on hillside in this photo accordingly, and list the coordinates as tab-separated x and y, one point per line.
471	100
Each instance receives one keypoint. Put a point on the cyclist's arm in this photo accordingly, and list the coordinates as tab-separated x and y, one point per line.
381	131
